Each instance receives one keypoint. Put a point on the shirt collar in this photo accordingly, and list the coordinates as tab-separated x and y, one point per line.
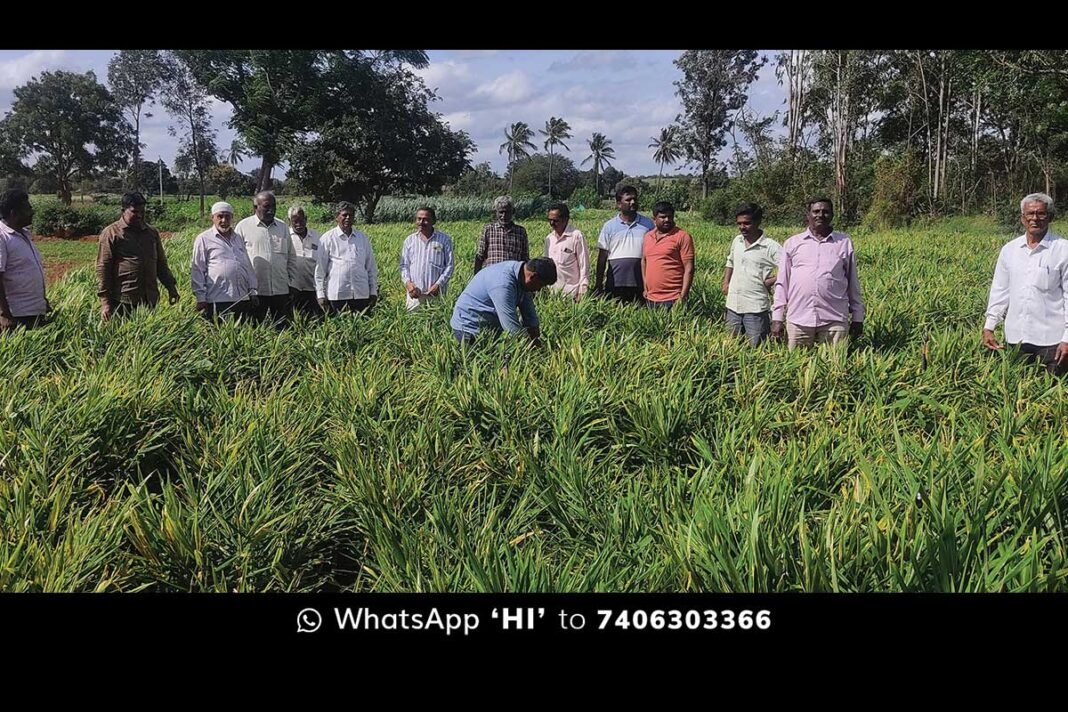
809	234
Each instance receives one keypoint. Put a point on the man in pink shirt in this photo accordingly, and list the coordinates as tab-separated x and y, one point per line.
667	260
566	246
817	291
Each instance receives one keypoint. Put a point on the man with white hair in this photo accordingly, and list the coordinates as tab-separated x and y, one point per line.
268	245
1030	290
221	273
305	243
504	240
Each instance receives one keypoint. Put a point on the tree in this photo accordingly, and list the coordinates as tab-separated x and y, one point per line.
555	131
713	87
72	123
187	102
796	66
844	94
278	94
602	154
478	181
532	175
135	76
227	180
150	175
379	137
516	145
668	150
237	152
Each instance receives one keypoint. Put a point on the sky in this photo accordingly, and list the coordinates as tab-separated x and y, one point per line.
628	95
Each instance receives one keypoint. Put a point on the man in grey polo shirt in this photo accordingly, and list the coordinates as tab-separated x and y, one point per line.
752	265
22	277
620	249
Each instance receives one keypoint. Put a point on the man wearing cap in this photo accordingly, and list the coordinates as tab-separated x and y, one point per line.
221	273
22	278
492	296
346	274
268	245
130	260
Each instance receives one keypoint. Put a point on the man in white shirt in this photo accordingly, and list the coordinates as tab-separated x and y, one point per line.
305	242
346	275
224	283
426	261
1030	290
271	251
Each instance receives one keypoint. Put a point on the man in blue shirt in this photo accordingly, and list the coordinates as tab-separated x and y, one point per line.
492	296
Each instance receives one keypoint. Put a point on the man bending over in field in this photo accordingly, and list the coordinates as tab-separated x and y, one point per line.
491	298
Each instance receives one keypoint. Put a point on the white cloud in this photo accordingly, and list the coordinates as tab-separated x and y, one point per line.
510	88
16	72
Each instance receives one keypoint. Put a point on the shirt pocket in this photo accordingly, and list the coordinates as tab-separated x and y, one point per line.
568	257
278	244
1049	279
436	258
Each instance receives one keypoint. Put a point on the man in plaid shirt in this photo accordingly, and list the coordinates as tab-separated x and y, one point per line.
503	240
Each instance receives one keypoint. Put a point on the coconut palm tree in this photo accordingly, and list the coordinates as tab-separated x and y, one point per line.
238	152
602	154
555	131
668	150
517	141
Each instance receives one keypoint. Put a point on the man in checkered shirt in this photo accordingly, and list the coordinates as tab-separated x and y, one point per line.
503	240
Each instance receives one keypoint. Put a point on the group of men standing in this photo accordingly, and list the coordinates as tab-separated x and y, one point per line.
806	290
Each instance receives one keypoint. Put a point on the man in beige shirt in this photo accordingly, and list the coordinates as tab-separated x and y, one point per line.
273	258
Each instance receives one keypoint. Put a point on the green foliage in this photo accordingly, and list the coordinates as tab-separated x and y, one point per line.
55	219
639	451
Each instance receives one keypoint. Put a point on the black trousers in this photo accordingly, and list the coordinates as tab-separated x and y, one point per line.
353	305
24	322
1044	355
306	303
277	309
241	311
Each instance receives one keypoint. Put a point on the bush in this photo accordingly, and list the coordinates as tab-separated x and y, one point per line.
54	218
584	198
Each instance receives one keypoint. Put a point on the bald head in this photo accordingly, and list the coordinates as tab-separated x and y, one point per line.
265	206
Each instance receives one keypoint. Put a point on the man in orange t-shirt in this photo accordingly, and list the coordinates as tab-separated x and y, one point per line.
667	260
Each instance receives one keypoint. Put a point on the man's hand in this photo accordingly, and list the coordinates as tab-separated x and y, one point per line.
106	310
856	329
324	304
373	300
1062	353
413	291
434	291
777	331
172	296
991	343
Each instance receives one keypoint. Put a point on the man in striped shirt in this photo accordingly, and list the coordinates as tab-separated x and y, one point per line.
426	260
